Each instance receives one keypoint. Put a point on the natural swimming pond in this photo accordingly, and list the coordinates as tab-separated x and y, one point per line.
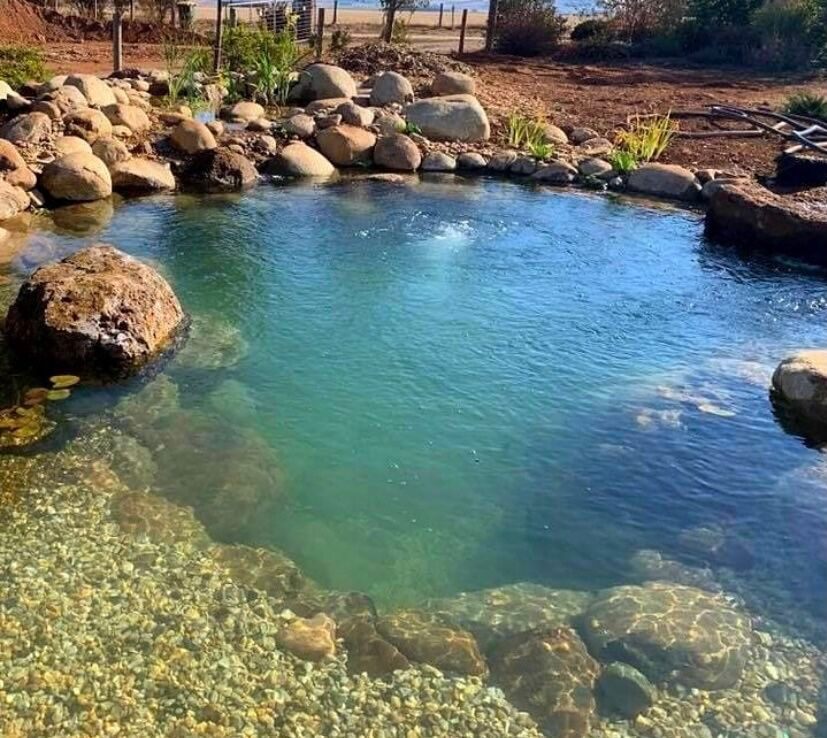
418	391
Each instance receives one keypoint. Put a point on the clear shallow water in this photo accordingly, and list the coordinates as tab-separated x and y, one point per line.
417	391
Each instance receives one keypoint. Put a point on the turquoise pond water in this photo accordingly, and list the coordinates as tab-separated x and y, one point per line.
419	390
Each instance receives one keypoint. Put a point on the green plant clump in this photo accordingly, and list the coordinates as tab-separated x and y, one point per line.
182	65
524	132
541	150
807	104
622	161
21	64
340	39
645	139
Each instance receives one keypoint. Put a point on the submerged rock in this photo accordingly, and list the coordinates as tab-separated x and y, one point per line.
213	343
424	638
624	690
648	564
260	568
367	651
713	545
493	615
550	674
98	312
310	639
670	632
146	514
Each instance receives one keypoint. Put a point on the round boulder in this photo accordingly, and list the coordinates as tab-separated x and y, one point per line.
135	119
192	136
141	175
67	98
450	118
391	87
27	128
66	145
244	112
95	90
219	170
110	151
346	145
624	690
801	381
453	83
78	177
88	124
98	312
439	161
322	81
300	125
665	180
299	160
397	152
13	200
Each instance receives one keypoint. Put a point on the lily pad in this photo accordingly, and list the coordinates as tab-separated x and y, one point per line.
58	394
62	381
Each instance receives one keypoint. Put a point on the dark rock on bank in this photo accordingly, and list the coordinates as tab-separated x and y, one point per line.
219	170
98	312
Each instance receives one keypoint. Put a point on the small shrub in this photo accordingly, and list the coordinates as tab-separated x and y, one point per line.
808	104
528	27
636	20
622	161
646	138
787	33
182	66
20	64
399	32
592	28
411	128
340	39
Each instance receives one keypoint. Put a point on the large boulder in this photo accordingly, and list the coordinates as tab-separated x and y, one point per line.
135	119
299	160
450	118
439	161
78	177
219	170
266	569
356	115
322	81
670	632
749	213
801	381
13	167
391	87
27	128
98	312
550	674
346	145
422	637
192	136
141	175
662	180
95	90
88	124
493	615
453	83
397	152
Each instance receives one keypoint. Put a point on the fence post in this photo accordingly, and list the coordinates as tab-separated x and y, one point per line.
117	40
233	17
335	11
131	11
390	17
492	24
219	36
463	23
452	17
320	34
441	9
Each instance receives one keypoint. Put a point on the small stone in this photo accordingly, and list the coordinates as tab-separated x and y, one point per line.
310	639
625	690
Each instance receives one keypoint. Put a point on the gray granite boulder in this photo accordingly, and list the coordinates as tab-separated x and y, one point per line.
450	118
